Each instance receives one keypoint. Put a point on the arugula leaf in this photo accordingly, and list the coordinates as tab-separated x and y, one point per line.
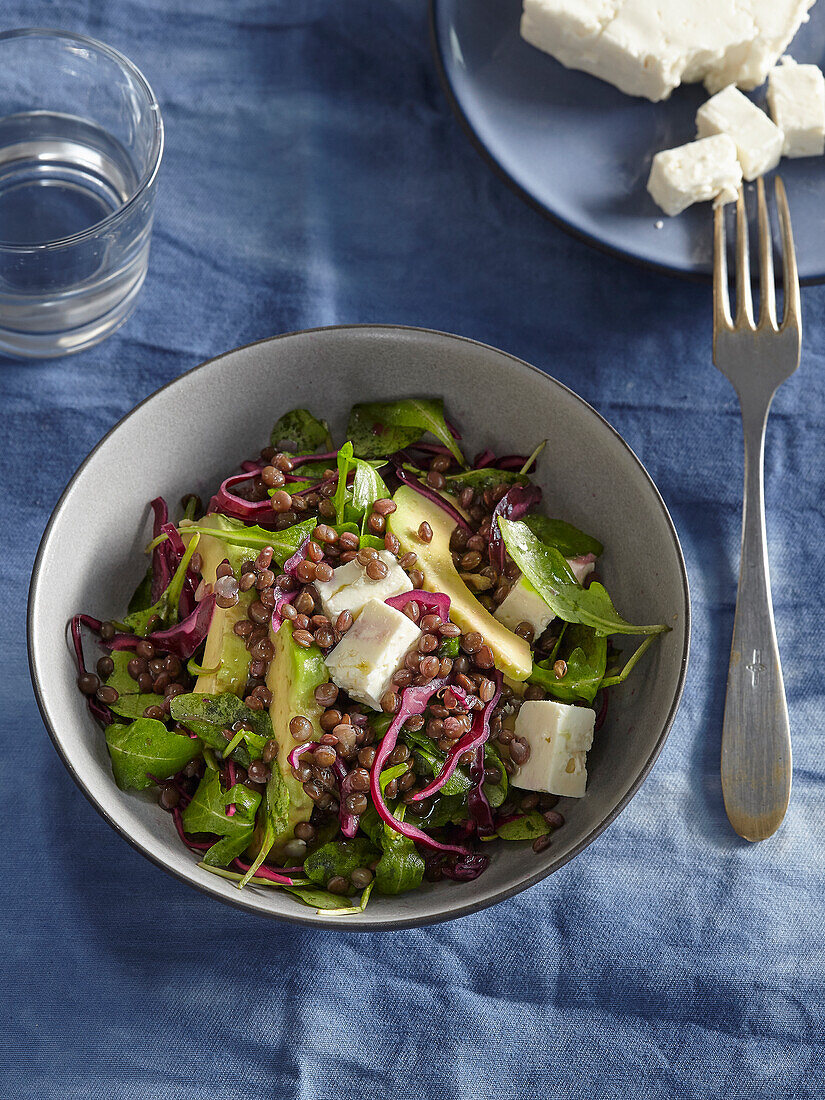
166	610
585	652
615	677
130	703
548	572
400	867
382	427
147	746
566	538
276	821
367	487
341	492
301	431
496	792
318	899
486	478
233	532
206	813
142	596
209	715
340	857
362	904
312	471
528	827
447	810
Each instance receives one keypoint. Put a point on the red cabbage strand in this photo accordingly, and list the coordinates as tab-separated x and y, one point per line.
432	495
483	459
236	507
181	640
414	701
97	709
476	737
435	602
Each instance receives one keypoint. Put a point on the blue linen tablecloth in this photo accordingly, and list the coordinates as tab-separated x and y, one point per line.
314	174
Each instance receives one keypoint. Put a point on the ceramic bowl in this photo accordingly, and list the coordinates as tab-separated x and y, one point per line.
187	436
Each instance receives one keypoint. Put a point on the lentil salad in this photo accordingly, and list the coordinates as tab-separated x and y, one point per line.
323	674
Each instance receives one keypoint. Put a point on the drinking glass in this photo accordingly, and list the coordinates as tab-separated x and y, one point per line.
81	140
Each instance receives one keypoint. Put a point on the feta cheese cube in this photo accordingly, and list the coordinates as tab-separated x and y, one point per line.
523	604
363	662
350	587
758	140
582	566
696	172
648	49
796	100
559	736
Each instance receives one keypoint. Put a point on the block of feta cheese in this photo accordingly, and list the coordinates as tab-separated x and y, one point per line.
796	100
523	604
559	736
350	587
696	172
758	140
374	647
582	566
648	49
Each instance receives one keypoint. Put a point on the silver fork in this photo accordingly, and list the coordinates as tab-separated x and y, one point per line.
756	359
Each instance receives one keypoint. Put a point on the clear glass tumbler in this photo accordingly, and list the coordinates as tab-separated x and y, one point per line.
81	140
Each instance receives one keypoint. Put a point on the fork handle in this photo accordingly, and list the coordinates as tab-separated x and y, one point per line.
756	737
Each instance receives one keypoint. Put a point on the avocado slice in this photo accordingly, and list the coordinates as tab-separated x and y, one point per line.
294	674
512	653
224	650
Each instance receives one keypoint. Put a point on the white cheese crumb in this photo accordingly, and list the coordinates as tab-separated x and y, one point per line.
696	172
363	662
350	587
523	604
559	736
796	100
758	140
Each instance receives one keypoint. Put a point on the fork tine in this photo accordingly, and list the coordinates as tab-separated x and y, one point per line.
721	299
767	291
744	302
790	275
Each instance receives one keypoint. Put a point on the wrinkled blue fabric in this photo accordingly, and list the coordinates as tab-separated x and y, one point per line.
314	174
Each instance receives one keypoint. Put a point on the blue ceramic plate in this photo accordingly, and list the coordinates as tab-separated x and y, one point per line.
580	150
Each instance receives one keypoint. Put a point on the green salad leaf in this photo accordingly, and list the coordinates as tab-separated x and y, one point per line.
367	487
130	702
316	898
496	792
567	539
312	471
362	904
142	596
209	715
486	478
339	857
400	867
341	492
548	572
299	432
252	538
528	827
276	819
206	813
147	746
585	653
381	427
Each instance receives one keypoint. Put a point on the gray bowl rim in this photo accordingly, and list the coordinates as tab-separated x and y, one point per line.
382	925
